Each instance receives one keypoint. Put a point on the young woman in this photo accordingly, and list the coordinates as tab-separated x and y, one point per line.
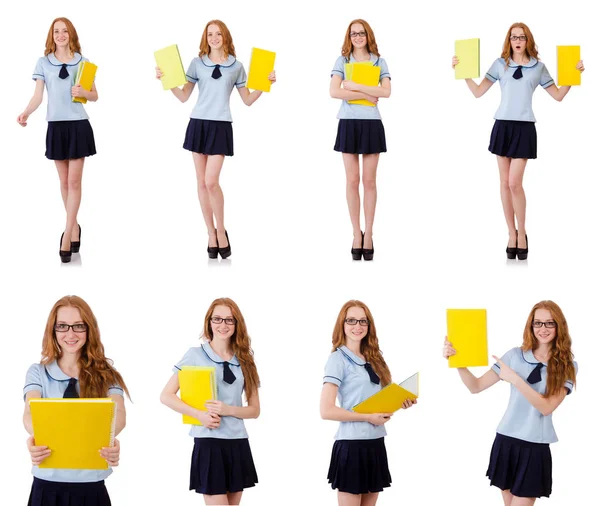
354	371
541	373
222	464
73	365
70	137
360	130
209	134
514	139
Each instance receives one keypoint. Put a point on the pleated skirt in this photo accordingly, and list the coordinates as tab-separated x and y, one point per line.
360	136
514	139
69	140
209	137
54	493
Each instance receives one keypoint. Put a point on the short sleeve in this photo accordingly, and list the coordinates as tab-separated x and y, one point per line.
192	73
569	383
38	72
241	79
545	78
334	369
116	389
385	72
338	67
188	359
507	359
493	74
33	380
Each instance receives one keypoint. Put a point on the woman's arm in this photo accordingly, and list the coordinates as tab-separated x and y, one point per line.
33	394
182	94
559	93
252	410
474	384
335	91
329	411
34	103
383	91
169	398
121	413
37	453
480	89
249	97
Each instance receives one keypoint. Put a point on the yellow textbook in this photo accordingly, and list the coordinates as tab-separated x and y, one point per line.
262	63
362	73
86	73
74	430
197	385
168	60
389	399
467	52
567	58
467	331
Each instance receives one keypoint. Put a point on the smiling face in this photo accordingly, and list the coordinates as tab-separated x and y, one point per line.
222	331
61	35
358	36
518	46
543	335
70	342
355	333
214	37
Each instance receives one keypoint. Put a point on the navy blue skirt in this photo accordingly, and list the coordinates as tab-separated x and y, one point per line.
69	140
522	467
360	136
221	465
209	137
54	493
514	139
359	466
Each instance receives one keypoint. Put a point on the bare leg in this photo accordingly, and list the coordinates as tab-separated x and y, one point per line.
216	500
522	501
62	167
507	497
351	165
234	497
207	212
370	198
515	183
506	197
75	173
346	499
214	164
369	499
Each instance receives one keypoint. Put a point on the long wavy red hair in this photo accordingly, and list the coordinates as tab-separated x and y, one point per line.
74	45
560	362
530	47
228	47
240	344
96	372
369	345
371	42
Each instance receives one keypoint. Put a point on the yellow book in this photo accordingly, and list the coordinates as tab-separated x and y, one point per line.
567	58
75	430
467	52
86	73
390	398
197	385
169	62
467	331
262	63
362	73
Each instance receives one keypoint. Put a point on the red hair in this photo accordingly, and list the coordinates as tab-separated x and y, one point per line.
228	47
530	47
73	37
371	42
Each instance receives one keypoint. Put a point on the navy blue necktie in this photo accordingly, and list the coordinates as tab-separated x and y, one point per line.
228	376
536	374
518	73
216	73
372	376
63	74
71	391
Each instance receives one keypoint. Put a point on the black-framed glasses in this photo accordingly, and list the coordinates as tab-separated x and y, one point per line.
77	327
217	320
353	35
354	321
549	325
518	37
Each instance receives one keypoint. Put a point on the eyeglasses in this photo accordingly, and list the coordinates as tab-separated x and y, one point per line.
218	320
353	35
354	321
77	327
548	325
518	37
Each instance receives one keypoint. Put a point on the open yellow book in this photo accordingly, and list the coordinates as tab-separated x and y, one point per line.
467	52
467	331
390	398
262	63
74	430
567	58
168	60
362	73
197	385
86	73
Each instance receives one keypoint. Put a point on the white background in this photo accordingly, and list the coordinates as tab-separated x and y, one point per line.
439	237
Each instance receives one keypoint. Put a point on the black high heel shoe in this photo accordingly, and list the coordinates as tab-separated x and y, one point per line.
213	251
511	253
523	252
368	253
65	256
75	245
226	251
357	252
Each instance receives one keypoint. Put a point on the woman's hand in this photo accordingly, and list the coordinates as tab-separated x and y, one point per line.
159	73
506	373
112	453
77	91
580	66
217	408
372	99
349	85
455	61
272	77
209	420
38	453
448	351
22	119
379	418
408	403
